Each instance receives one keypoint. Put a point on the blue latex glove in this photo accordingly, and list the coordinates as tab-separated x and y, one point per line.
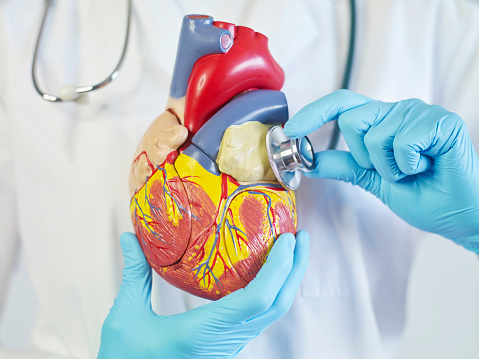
218	329
416	158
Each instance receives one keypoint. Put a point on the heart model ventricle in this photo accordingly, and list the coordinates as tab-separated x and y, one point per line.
206	233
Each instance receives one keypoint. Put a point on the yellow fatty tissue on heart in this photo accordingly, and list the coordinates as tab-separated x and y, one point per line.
242	153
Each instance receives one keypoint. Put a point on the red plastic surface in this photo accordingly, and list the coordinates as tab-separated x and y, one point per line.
216	79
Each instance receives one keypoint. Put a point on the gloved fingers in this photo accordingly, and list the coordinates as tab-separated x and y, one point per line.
286	296
408	156
371	134
354	126
327	108
340	165
258	296
136	283
379	143
429	131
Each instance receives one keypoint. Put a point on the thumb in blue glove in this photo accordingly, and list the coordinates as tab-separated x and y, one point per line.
416	158
216	330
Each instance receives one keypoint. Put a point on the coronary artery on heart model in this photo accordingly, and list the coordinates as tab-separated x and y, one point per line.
202	230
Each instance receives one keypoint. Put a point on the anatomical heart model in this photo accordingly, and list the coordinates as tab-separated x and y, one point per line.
205	204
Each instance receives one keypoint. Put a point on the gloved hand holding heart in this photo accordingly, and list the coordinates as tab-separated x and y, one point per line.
205	205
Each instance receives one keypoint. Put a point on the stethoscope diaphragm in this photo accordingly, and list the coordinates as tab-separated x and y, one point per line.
289	157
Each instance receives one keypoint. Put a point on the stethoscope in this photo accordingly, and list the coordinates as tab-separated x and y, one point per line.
288	157
76	93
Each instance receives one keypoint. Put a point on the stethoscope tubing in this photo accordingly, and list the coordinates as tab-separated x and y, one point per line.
333	142
80	89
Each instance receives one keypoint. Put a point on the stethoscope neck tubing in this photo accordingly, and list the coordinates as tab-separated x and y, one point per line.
352	41
80	89
45	96
347	70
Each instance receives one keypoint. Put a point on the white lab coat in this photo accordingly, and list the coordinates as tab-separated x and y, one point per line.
64	167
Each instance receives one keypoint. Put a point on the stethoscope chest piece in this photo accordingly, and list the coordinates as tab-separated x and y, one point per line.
289	157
